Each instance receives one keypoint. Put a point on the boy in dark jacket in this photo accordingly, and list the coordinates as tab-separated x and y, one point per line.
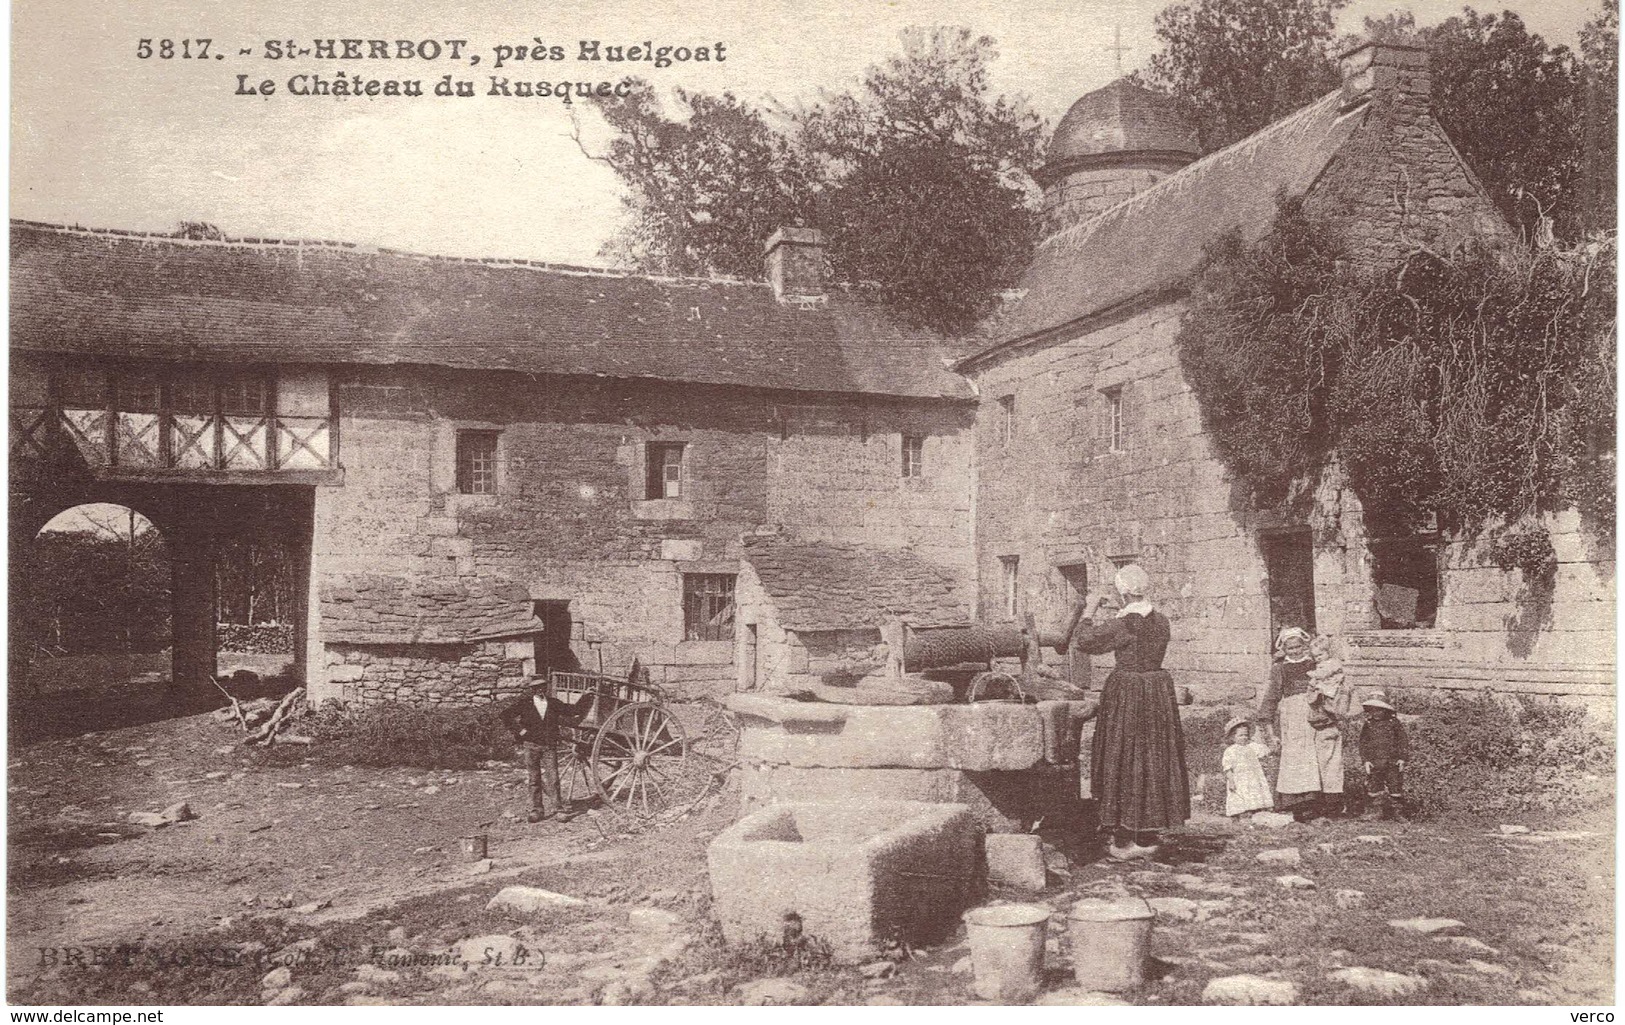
534	719
1385	750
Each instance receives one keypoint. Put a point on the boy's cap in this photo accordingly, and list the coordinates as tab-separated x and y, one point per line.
1240	720
1377	700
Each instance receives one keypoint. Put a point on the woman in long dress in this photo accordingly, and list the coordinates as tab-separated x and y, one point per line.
1306	725
1137	762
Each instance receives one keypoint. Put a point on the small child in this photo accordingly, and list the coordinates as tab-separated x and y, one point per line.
1245	788
1325	679
1385	750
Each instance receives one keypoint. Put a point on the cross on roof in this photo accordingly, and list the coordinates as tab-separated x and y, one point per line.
1117	48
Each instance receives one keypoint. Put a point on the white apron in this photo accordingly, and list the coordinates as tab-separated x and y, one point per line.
1311	761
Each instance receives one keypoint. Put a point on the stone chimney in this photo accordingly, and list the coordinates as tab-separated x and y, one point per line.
795	264
1390	71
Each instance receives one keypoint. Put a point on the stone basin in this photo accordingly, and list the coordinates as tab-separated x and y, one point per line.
857	874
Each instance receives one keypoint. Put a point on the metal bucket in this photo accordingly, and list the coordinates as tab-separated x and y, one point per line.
1110	942
1007	950
474	846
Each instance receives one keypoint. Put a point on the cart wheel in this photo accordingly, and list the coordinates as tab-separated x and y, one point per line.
637	760
575	778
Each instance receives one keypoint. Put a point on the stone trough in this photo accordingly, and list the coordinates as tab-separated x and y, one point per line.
1010	763
857	874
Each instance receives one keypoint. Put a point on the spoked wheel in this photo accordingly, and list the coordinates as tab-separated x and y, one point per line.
638	758
575	775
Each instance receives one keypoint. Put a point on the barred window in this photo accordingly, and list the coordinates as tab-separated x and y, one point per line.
477	462
708	606
665	470
913	455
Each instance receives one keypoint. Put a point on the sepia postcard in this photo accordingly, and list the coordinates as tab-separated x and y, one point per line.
811	503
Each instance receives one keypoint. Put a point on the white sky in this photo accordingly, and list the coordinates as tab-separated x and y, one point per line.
97	518
102	139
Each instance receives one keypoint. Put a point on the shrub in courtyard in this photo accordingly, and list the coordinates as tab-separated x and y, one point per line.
392	734
1493	756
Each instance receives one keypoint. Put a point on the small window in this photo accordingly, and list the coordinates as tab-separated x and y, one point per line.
708	606
139	395
191	393
1007	420
913	455
83	389
245	396
477	462
1114	418
1405	572
665	470
1010	565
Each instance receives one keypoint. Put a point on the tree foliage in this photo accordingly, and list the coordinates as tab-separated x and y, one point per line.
1476	386
96	590
1599	168
917	176
1536	122
1238	65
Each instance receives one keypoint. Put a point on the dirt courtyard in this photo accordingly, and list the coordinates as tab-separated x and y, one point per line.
310	883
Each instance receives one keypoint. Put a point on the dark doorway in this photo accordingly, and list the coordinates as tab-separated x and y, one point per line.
1289	558
553	643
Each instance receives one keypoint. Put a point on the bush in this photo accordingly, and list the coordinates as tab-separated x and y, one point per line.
404	735
1489	755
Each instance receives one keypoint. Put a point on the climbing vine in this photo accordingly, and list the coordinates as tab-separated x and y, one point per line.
1475	386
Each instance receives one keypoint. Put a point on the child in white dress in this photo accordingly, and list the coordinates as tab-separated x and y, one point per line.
1245	787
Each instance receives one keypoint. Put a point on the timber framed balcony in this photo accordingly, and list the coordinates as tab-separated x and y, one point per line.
236	427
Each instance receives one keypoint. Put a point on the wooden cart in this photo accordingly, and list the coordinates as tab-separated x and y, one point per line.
628	748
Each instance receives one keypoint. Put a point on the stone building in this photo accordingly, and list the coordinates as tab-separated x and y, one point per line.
487	468
813	611
1090	448
491	468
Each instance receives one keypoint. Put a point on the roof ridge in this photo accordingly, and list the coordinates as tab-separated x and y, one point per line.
333	245
1075	235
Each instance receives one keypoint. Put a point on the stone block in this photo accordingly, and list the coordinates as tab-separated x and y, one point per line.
1003	802
1016	859
857	874
345	673
981	737
681	551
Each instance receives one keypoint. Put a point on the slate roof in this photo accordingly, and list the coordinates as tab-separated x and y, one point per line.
1121	118
818	586
375	609
109	293
1155	240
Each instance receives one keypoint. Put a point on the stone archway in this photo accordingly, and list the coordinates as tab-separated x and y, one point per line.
195	519
98	601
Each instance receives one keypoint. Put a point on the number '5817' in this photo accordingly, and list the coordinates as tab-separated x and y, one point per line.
169	49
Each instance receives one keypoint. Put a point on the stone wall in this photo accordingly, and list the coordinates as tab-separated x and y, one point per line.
1057	495
1081	195
426	674
1399	182
775	660
571	522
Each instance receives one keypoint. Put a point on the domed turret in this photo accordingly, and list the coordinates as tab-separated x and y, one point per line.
1114	142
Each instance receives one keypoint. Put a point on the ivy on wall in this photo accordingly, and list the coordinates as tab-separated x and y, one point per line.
1475	386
